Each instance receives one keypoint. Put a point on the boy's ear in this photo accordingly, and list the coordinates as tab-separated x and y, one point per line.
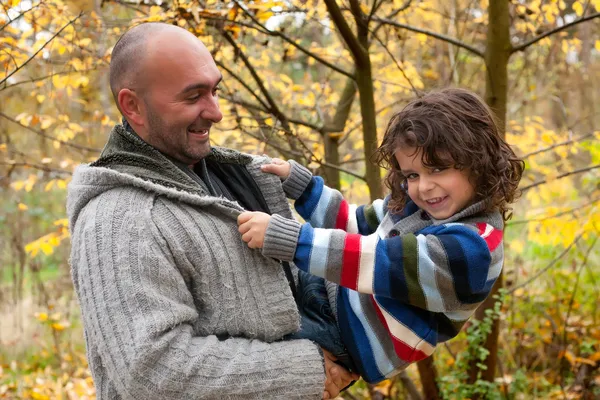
131	106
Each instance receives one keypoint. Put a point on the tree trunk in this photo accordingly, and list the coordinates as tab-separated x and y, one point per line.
497	53
428	375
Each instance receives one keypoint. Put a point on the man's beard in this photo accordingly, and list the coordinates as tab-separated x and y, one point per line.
159	133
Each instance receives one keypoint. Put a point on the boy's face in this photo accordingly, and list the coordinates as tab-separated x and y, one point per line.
441	192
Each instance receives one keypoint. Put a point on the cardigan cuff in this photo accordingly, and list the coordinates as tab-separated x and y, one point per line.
297	181
281	238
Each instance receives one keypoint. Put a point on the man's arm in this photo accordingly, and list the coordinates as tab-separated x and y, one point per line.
140	316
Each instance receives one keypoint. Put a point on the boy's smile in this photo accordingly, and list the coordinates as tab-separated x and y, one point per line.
441	192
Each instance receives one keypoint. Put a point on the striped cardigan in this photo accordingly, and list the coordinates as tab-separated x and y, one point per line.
406	282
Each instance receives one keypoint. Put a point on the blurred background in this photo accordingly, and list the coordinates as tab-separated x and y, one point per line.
317	81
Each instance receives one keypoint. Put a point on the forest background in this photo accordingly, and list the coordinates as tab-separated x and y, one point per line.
317	81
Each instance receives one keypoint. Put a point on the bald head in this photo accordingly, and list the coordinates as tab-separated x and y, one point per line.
136	49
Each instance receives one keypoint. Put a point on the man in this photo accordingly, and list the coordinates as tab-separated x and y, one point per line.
174	305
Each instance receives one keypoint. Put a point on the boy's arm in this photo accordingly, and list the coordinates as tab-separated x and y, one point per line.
324	207
449	270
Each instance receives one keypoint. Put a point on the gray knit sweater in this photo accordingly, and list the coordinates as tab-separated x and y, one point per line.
174	304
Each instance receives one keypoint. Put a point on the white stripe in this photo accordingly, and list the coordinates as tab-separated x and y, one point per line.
366	264
461	315
494	271
404	334
427	280
352	226
318	216
488	230
320	251
378	206
384	364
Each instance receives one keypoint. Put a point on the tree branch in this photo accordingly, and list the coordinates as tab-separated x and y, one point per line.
560	214
273	107
566	142
242	82
40	49
414	89
36	166
547	267
293	43
358	52
439	36
536	39
32	80
75	146
10	21
577	171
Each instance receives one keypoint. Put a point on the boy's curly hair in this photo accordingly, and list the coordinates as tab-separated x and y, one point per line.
453	128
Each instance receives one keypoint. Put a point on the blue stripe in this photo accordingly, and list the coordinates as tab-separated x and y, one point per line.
381	281
355	339
363	226
397	279
304	248
307	202
418	320
317	218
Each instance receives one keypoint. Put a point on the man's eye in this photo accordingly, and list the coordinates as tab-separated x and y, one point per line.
216	91
194	97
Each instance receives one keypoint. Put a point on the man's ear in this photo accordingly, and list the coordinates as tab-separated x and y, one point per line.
131	106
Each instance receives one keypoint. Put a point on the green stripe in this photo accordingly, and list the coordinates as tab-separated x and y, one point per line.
411	272
371	217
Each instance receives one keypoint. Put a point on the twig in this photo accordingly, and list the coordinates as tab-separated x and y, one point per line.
41	48
577	171
547	267
76	146
560	214
566	142
439	36
293	43
525	45
36	166
397	65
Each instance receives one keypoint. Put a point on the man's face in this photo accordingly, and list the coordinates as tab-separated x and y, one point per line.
181	100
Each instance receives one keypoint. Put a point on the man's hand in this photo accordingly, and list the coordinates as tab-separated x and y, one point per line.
253	226
278	167
338	377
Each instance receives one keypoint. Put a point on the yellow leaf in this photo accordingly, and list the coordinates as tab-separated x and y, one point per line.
62	184
85	42
41	316
57	326
22	207
2	146
597	45
40	98
49	185
578	8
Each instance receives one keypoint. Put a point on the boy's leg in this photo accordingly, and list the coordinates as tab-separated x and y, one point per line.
317	319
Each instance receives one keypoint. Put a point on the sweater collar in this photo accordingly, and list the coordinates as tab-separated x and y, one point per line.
128	153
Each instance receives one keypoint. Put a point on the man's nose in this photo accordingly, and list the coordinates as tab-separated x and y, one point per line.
212	111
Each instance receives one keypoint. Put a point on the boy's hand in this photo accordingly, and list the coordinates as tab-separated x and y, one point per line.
253	226
278	167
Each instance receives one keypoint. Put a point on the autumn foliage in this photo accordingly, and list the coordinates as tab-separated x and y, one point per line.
317	81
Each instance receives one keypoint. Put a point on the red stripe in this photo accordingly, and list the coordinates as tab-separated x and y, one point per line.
403	351
342	218
494	239
350	262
